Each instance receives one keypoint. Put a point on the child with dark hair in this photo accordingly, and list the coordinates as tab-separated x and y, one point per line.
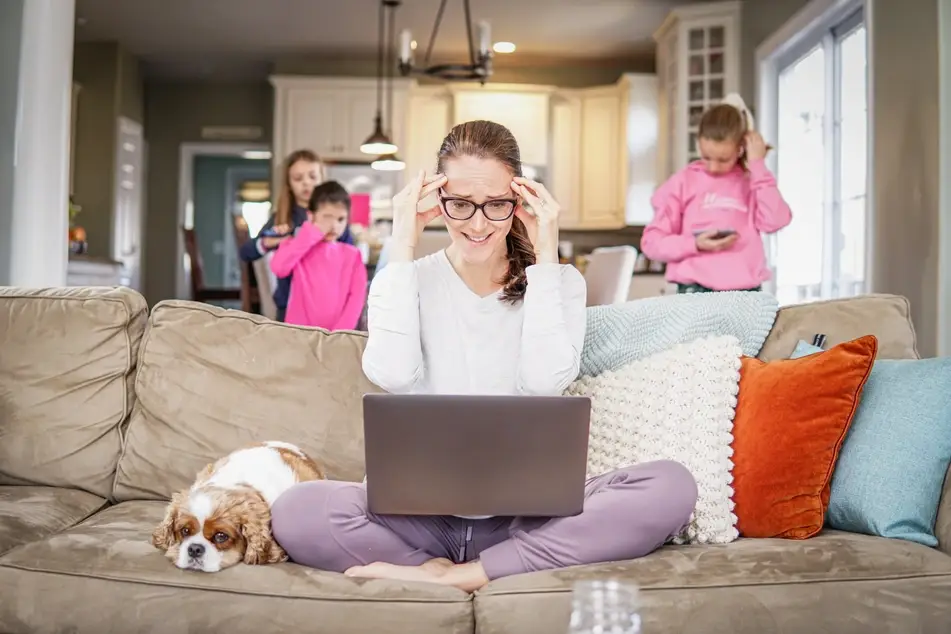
329	278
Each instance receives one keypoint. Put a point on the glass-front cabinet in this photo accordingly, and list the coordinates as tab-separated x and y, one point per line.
698	63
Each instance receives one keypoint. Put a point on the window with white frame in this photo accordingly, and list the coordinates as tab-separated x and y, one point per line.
820	120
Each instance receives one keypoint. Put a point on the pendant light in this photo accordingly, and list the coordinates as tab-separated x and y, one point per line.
378	142
388	161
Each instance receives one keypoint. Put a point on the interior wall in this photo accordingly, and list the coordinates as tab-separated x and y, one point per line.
11	26
758	20
174	114
944	213
905	181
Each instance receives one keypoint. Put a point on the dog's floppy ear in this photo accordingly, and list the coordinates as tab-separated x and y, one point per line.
163	537
256	529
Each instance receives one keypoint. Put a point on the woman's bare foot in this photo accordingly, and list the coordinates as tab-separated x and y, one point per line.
468	577
382	570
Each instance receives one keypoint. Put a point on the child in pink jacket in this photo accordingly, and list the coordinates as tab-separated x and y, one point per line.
329	283
709	217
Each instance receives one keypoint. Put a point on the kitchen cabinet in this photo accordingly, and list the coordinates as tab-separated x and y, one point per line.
523	109
602	158
698	57
564	166
428	119
331	116
83	270
603	166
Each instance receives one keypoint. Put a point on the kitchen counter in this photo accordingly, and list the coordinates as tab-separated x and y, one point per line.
86	270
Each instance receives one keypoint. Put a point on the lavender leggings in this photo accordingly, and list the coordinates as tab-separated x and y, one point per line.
627	513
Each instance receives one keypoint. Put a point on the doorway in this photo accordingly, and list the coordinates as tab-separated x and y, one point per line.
217	186
211	180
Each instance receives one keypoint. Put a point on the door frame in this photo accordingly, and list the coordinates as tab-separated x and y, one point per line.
186	202
944	222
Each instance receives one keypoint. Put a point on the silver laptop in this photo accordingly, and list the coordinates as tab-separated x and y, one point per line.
476	455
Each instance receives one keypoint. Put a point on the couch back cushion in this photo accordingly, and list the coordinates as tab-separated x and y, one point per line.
213	380
888	317
67	363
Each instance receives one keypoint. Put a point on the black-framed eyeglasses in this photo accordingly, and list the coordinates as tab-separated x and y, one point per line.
498	210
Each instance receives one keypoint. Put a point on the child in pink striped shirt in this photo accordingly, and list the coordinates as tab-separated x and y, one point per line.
329	283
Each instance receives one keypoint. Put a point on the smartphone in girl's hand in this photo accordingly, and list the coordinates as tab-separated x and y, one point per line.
719	235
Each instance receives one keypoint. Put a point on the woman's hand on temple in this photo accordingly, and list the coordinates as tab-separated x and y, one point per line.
408	221
538	211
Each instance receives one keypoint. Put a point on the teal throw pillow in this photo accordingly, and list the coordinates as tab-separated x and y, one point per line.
894	459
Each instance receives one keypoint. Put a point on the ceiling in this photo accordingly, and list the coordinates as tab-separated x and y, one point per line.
245	37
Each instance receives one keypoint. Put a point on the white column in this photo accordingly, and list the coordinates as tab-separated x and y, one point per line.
39	240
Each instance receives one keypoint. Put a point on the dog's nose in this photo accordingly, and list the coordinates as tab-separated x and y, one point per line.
195	550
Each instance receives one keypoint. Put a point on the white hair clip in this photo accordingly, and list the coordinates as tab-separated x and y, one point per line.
735	100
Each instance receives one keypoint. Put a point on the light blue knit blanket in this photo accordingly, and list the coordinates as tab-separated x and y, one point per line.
621	333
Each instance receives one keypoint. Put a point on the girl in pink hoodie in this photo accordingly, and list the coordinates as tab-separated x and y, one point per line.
710	216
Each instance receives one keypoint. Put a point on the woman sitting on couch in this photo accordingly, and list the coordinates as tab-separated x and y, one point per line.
499	293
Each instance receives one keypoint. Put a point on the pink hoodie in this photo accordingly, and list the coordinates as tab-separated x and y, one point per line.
329	286
692	201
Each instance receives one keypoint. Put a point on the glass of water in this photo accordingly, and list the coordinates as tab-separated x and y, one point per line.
605	607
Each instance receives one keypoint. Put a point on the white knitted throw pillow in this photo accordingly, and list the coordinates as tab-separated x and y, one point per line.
676	405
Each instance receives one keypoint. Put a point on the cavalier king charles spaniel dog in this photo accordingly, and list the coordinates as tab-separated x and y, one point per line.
225	517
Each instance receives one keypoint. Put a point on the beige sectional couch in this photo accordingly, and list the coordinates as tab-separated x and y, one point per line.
106	409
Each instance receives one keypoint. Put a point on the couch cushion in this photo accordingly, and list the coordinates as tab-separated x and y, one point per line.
834	582
32	513
66	374
106	571
888	317
212	380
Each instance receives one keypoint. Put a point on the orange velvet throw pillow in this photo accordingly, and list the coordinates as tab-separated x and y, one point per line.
791	418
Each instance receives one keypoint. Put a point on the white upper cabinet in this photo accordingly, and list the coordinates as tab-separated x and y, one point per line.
331	116
603	166
698	63
521	108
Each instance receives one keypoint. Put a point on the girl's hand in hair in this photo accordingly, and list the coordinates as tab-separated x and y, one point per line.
755	146
408	220
538	211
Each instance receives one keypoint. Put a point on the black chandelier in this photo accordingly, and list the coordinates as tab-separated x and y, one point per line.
480	61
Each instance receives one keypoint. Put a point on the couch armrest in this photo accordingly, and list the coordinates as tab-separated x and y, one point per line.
942	527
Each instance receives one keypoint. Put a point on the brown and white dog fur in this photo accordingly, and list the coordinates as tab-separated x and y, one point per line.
225	517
